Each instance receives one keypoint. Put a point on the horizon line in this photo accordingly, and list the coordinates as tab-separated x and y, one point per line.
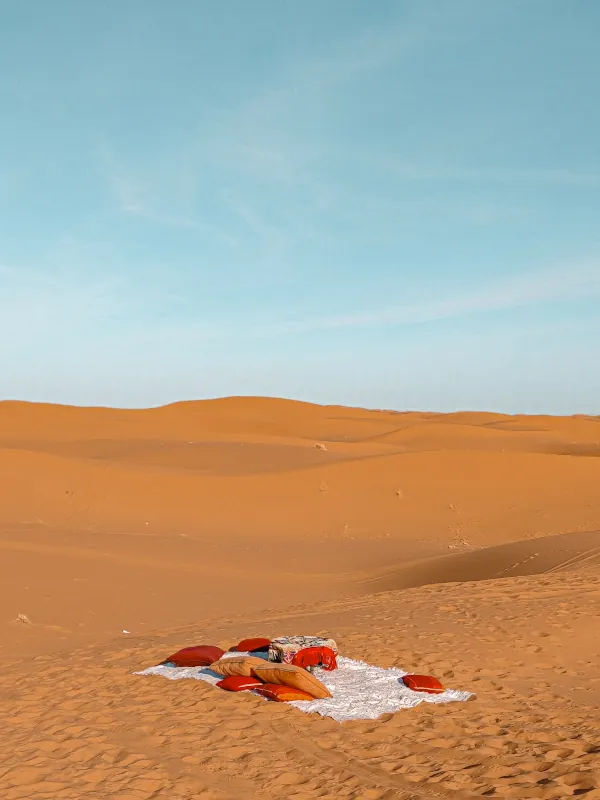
288	400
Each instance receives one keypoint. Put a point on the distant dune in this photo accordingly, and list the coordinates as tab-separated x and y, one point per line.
271	467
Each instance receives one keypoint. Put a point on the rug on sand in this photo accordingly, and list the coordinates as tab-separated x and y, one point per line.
360	691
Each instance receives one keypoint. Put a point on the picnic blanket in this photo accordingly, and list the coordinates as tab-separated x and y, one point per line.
359	690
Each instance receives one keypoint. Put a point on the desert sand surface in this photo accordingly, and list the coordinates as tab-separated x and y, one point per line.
465	546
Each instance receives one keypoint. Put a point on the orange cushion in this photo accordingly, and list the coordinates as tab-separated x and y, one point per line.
289	675
316	657
236	683
237	665
248	645
200	656
282	694
423	683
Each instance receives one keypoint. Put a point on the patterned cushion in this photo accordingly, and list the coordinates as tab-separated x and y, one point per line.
284	648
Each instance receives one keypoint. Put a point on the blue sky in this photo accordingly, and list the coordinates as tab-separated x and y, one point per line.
391	204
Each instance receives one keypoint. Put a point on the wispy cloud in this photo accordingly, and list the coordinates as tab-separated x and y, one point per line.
563	284
146	196
259	179
257	137
260	137
135	196
308	80
271	237
36	305
441	173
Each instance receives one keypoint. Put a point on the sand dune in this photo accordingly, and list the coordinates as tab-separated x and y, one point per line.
254	468
464	545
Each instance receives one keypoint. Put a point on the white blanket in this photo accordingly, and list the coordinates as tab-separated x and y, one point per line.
359	690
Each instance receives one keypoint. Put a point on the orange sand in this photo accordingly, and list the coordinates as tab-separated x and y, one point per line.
461	545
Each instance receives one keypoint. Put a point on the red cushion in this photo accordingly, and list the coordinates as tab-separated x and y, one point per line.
282	694
315	657
200	656
423	683
249	645
235	683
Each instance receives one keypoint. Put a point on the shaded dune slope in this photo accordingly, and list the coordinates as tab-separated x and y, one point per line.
548	554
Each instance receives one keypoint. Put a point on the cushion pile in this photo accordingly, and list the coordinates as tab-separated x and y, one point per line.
249	666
